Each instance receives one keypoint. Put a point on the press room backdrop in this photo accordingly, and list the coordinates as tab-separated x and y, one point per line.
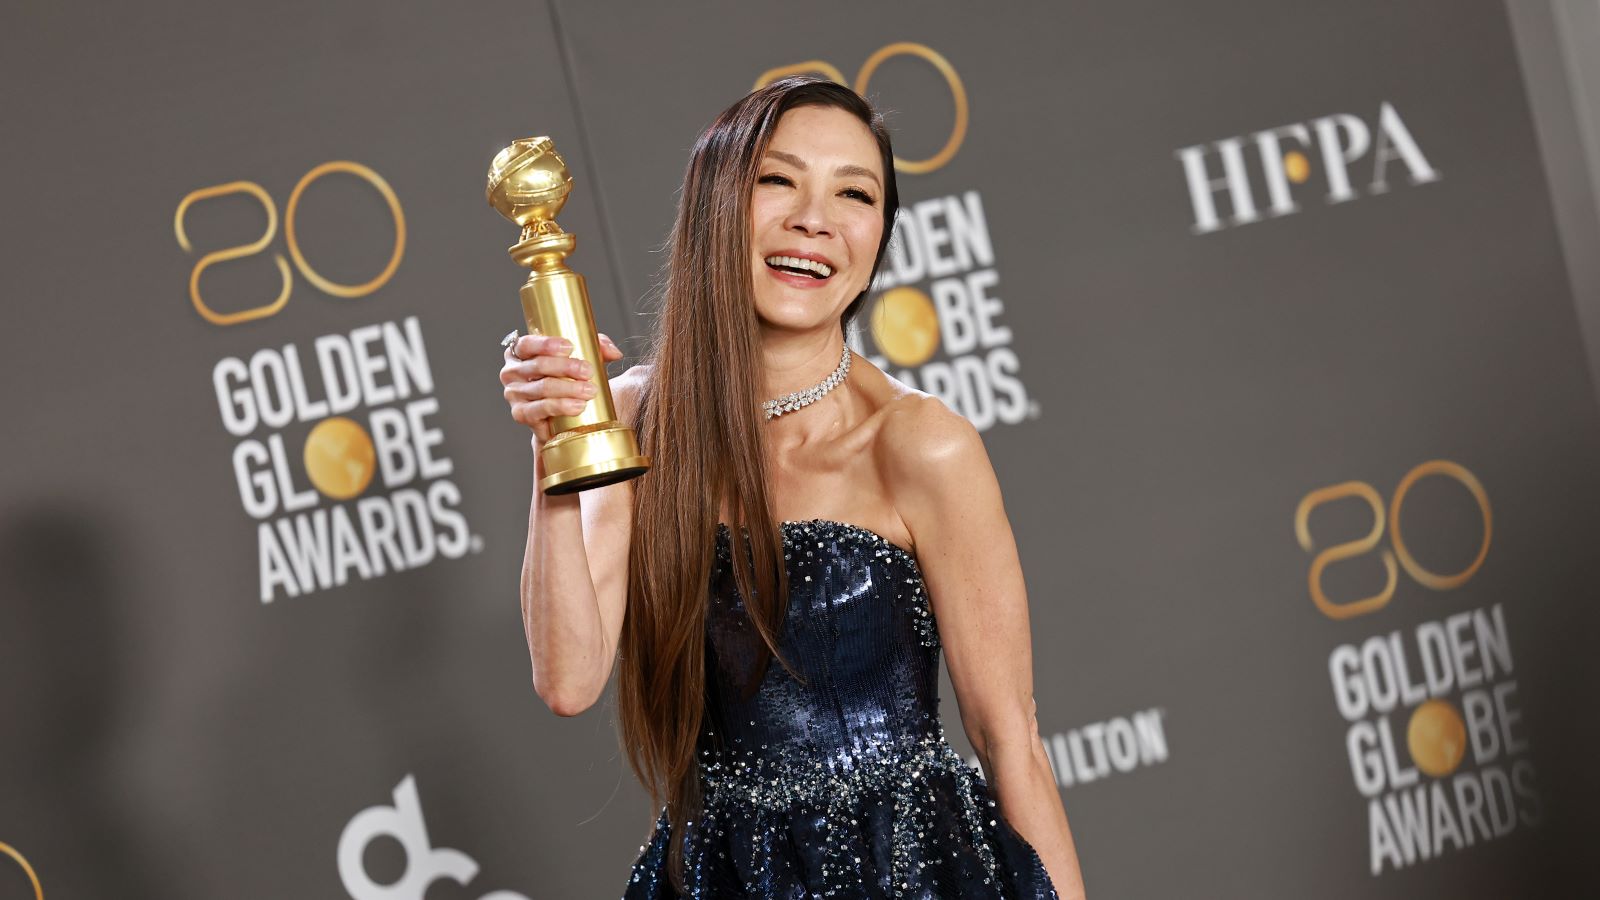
1260	306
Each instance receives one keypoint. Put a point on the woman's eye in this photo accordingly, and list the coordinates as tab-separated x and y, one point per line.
859	194
773	179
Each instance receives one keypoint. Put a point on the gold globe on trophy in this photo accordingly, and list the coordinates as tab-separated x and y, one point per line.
528	184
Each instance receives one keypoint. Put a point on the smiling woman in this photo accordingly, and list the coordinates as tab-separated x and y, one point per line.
852	534
816	220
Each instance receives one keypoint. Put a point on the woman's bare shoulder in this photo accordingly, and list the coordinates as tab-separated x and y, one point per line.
914	428
627	388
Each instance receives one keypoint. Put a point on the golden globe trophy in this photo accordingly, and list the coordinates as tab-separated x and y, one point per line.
528	184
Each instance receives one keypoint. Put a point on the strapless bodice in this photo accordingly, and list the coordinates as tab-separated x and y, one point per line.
859	634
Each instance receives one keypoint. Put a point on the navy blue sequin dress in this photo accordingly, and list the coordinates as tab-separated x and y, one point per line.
843	786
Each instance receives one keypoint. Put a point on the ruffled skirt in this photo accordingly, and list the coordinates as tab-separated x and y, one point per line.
913	821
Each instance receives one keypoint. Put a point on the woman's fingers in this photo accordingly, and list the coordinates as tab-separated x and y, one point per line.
544	367
537	414
530	345
546	388
541	380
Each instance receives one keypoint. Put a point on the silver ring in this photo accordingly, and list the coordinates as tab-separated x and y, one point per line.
509	343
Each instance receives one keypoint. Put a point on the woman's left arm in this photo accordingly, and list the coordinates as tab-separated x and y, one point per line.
945	491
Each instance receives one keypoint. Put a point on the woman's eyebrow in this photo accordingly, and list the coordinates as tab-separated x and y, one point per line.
847	169
858	171
789	158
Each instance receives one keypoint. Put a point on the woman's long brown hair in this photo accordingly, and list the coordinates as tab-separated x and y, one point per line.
699	417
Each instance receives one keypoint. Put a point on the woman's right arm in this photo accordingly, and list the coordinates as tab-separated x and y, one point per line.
575	569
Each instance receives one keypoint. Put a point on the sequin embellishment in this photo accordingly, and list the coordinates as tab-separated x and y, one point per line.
840	783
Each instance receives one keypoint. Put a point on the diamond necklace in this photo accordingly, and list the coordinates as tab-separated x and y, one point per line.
791	402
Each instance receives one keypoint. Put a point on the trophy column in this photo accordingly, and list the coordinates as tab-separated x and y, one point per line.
528	184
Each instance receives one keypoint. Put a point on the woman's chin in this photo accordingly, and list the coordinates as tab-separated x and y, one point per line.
808	318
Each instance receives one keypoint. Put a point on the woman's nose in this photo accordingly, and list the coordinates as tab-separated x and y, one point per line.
809	215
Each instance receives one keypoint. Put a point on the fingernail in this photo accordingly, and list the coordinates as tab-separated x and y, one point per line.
584	368
563	345
586	389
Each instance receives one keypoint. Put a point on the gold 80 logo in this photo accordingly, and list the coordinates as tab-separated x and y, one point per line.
33	877
958	93
322	283
1351	549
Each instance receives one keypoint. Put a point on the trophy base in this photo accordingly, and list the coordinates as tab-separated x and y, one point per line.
578	461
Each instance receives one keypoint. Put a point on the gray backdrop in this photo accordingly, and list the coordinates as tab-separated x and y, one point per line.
1159	391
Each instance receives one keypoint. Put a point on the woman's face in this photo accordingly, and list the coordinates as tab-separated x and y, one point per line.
816	217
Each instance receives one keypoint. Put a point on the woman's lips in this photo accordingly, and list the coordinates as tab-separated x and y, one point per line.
796	280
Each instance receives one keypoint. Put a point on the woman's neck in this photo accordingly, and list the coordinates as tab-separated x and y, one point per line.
793	362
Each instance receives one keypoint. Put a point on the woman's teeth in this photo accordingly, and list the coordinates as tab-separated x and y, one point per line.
809	266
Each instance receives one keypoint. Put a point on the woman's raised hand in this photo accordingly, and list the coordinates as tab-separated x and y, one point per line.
541	380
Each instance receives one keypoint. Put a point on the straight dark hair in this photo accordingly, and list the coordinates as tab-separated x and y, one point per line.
699	417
